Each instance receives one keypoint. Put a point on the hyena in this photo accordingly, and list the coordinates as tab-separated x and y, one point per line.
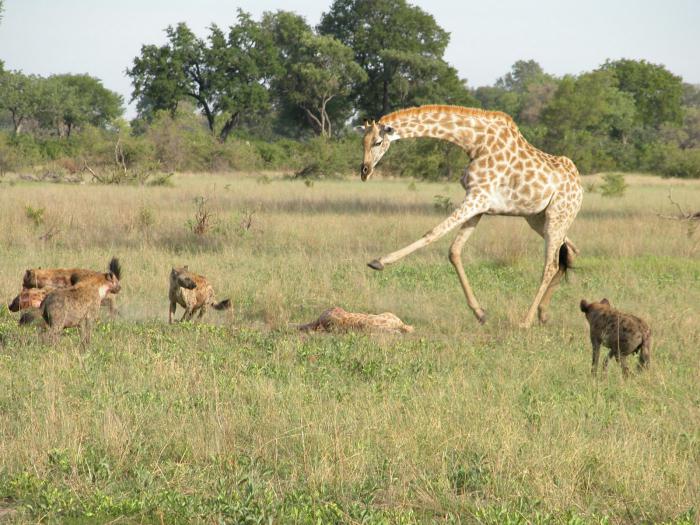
77	305
29	298
337	319
54	278
193	293
622	333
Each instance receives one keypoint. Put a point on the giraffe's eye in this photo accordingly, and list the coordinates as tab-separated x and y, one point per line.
378	143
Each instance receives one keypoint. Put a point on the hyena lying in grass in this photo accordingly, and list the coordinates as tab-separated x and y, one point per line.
623	333
337	319
38	282
192	292
78	305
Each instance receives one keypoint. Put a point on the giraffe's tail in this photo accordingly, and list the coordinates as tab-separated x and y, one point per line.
566	258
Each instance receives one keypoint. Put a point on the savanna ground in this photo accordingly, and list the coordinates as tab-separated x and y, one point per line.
242	419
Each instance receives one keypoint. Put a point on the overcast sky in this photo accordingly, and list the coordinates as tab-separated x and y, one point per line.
101	37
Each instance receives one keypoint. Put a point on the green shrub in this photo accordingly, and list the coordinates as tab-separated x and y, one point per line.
613	185
683	163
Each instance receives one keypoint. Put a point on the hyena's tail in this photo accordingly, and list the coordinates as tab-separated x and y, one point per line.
116	268
223	305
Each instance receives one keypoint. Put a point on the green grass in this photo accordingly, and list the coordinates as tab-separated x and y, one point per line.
243	419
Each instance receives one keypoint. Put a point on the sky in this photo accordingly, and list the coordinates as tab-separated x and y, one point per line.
102	37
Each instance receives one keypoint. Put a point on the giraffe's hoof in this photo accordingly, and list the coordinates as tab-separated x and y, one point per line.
481	317
376	265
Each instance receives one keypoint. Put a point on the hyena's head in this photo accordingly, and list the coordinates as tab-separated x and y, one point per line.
183	278
28	298
106	282
112	280
587	308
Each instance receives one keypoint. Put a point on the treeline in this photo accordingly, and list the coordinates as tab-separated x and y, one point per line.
277	93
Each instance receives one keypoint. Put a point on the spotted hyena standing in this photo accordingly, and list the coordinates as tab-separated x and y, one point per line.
337	319
623	333
78	305
38	282
192	292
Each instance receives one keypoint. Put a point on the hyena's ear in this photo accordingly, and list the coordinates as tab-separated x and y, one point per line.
74	278
187	267
605	301
584	306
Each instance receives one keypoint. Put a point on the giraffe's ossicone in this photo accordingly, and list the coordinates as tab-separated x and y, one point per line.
506	176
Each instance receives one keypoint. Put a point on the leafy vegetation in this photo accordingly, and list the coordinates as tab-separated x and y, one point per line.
257	94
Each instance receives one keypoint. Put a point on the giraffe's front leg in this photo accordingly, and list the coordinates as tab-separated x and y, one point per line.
471	207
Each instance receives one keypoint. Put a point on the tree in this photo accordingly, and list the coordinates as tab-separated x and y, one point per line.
224	77
589	120
86	101
657	92
19	96
523	92
315	72
401	49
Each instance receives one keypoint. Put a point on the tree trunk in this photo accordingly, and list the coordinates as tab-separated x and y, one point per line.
315	122
228	127
17	123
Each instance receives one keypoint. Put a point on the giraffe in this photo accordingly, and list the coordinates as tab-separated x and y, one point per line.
506	176
339	320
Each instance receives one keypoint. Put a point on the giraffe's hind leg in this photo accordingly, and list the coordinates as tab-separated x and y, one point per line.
557	218
456	260
537	222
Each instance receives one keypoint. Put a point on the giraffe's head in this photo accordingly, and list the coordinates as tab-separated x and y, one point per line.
376	140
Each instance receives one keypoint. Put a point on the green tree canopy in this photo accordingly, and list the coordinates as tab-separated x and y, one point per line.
585	115
401	49
657	92
523	92
317	71
224	77
19	96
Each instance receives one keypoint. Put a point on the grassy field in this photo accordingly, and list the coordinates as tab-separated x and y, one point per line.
243	420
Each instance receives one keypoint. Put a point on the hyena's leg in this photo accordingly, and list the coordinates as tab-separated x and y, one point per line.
86	331
187	315
610	355
596	355
202	310
623	364
645	353
111	302
171	312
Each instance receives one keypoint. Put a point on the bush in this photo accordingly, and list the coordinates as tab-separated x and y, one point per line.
683	163
613	185
326	158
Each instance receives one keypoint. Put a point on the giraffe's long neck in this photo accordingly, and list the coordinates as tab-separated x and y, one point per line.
477	134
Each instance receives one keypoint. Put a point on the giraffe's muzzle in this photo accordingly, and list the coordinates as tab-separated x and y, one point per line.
365	172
